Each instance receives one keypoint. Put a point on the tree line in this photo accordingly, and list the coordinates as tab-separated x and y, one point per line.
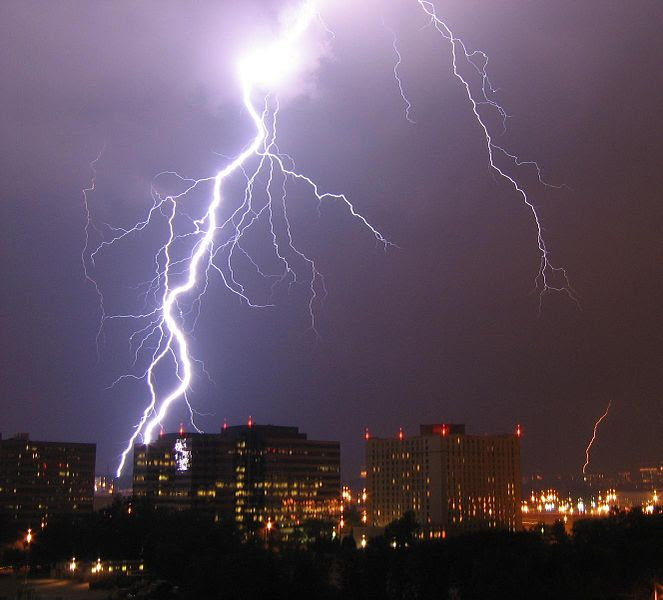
619	556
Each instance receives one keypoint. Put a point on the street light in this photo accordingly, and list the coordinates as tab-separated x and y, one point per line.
97	567
28	541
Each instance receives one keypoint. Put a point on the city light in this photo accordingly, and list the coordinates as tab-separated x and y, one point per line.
549	501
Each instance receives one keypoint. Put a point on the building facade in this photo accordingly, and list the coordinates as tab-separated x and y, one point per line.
451	481
39	480
255	474
183	471
282	477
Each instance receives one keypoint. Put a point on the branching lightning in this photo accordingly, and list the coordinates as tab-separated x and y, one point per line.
397	75
195	248
162	333
591	442
87	260
550	278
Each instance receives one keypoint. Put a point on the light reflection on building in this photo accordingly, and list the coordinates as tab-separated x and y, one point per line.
255	474
451	481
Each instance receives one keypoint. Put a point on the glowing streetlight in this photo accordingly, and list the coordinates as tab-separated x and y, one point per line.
28	541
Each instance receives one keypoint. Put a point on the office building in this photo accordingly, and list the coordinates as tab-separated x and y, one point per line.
255	474
453	482
182	471
39	480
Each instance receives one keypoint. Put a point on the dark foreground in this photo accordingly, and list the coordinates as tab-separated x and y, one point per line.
47	589
620	556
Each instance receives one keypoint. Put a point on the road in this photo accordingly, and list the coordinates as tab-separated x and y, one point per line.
49	589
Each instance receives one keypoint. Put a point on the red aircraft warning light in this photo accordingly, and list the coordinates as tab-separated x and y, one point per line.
225	424
519	431
400	433
181	429
250	421
367	435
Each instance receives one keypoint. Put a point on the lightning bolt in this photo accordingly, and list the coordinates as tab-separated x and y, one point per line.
197	247
591	442
179	276
397	75
85	258
550	278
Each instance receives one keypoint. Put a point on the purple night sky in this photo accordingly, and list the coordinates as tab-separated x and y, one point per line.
445	328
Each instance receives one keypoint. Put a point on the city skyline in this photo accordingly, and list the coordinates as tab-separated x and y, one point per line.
259	475
640	475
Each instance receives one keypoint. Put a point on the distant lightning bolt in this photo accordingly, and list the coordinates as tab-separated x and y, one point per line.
550	278
591	442
163	336
85	258
397	75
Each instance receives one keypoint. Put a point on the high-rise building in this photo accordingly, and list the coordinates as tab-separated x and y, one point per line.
39	480
186	471
283	477
256	474
451	481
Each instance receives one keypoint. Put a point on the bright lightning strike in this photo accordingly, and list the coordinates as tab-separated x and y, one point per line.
176	278
591	442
